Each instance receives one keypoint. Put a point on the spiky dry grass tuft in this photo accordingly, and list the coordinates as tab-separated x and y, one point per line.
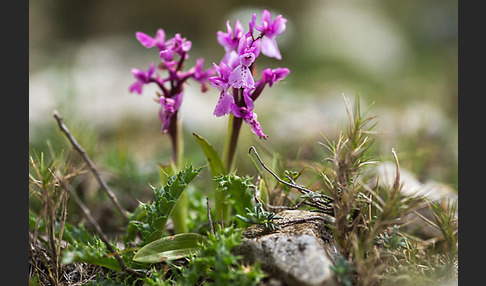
363	215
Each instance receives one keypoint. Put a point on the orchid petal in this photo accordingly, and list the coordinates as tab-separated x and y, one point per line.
270	48
248	101
144	39
241	77
136	87
223	106
255	126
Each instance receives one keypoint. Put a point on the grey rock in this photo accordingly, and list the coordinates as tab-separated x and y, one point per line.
300	253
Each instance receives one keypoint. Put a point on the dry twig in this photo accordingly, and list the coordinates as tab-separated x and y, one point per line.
91	166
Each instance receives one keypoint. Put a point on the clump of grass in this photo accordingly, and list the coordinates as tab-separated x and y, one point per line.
51	201
348	156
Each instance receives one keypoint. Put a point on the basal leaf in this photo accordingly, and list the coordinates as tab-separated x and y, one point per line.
170	248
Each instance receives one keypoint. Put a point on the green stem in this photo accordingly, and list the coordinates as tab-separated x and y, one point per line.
234	126
179	213
223	210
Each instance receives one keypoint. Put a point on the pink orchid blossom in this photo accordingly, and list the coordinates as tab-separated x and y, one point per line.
142	77
171	98
229	41
270	30
250	118
221	82
241	76
150	42
201	75
270	76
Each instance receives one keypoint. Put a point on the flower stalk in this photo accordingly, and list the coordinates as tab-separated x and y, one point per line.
179	213
172	54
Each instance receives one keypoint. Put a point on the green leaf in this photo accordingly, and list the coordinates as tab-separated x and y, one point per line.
212	157
238	191
87	248
158	212
170	248
222	210
215	262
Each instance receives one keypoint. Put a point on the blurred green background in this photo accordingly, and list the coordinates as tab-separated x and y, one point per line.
401	55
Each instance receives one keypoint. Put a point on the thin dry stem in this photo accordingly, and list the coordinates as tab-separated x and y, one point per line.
91	166
303	190
319	201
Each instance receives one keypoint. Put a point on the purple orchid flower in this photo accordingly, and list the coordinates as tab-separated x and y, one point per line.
168	109
270	30
201	75
230	40
241	76
149	42
235	81
221	82
177	45
270	76
142	77
250	118
170	98
248	45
